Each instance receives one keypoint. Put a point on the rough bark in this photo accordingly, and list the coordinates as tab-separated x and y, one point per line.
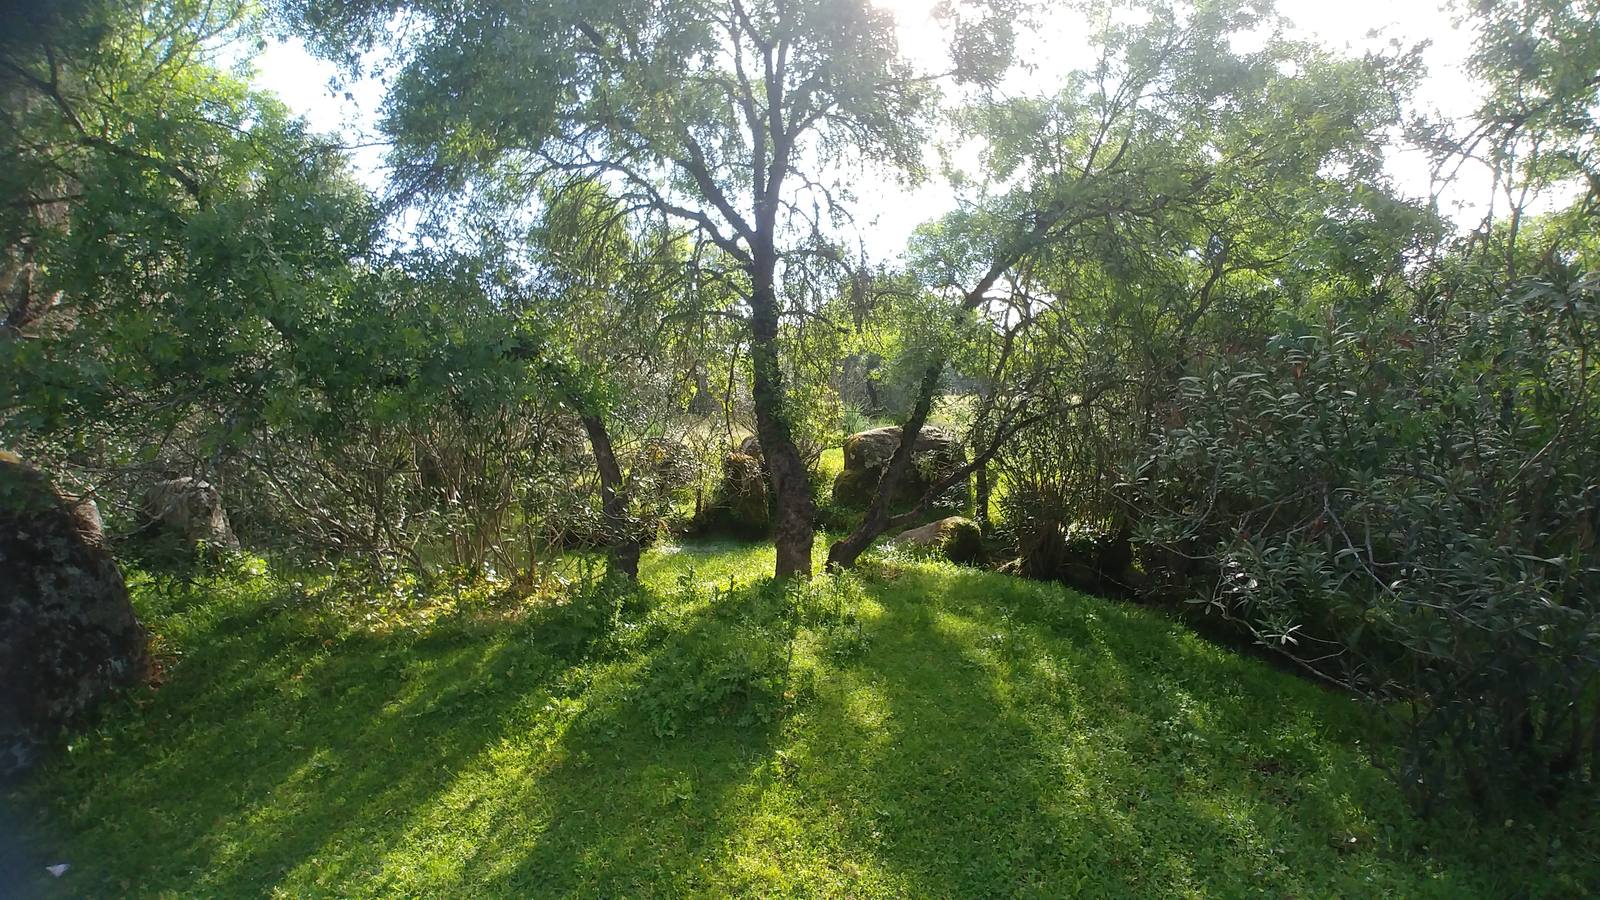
625	547
792	506
703	403
68	634
981	500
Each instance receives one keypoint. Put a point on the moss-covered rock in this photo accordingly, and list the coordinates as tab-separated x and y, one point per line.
853	488
68	635
935	455
740	506
956	538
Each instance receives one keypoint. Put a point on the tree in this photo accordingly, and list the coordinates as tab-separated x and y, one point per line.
1392	485
1141	180
597	313
175	236
1536	126
727	114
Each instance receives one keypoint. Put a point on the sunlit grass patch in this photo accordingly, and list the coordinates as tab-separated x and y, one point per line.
916	729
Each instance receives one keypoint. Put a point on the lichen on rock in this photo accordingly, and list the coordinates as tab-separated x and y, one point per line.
68	634
956	538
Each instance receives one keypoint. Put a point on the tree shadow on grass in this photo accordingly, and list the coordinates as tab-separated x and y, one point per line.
502	760
665	759
1027	744
994	737
284	751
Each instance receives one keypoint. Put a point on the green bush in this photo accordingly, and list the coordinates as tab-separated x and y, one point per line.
1409	508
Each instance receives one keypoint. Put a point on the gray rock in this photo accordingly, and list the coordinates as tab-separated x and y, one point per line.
871	449
191	509
956	538
68	634
935	455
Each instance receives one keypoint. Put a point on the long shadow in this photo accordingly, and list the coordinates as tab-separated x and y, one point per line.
624	809
994	738
1091	751
326	742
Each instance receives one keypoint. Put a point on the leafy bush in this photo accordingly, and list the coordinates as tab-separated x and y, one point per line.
1409	508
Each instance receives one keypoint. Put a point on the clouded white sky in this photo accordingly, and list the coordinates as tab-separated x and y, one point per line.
886	211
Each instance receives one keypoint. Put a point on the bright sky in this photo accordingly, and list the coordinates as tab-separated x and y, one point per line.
886	212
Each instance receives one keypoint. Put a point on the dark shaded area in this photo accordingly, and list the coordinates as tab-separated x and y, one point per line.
68	634
740	506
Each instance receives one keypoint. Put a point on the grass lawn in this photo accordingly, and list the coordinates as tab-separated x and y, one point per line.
919	730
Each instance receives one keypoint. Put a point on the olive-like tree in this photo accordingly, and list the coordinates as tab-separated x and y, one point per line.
737	116
1173	150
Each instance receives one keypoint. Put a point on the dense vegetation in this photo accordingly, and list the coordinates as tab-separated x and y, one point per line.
1182	339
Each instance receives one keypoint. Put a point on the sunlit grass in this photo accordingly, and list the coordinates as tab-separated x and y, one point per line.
830	464
928	731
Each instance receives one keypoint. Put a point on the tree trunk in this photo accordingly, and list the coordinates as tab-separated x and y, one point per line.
624	543
703	403
980	512
792	507
845	551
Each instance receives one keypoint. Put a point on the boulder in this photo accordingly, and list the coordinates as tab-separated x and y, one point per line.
191	509
68	634
1083	558
872	448
956	538
935	455
739	505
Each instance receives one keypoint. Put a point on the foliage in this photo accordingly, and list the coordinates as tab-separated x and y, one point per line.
1536	125
1408	507
1220	215
1178	296
735	669
728	118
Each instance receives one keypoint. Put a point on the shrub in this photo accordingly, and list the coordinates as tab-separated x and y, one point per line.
1409	509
